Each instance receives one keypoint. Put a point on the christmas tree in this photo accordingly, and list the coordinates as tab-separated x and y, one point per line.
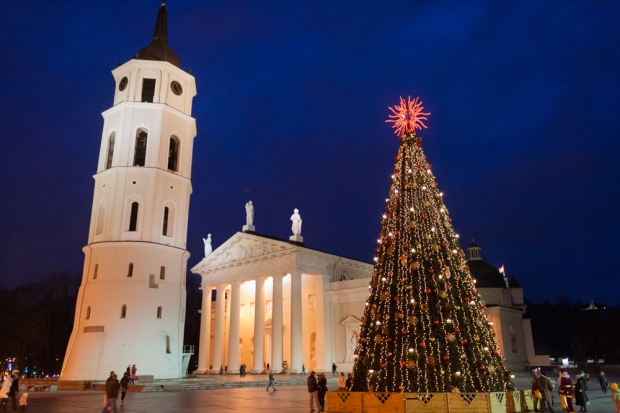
425	327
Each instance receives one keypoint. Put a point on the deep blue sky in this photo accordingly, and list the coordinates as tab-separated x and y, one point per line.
292	96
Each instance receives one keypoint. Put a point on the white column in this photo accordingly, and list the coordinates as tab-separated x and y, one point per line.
259	326
218	340
163	87
205	330
233	332
276	323
323	324
296	324
133	80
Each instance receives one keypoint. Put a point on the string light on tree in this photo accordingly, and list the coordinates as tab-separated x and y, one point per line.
425	327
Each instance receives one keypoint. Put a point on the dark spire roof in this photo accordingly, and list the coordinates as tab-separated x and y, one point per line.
159	49
486	275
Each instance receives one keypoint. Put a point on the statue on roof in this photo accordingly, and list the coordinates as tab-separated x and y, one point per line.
296	218
208	247
249	214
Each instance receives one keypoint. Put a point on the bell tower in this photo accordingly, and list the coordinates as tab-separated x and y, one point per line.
131	303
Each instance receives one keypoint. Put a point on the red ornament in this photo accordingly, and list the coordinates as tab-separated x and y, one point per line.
431	270
482	367
457	277
402	363
464	341
457	330
444	244
475	292
396	298
422	344
446	357
403	279
435	322
382	365
427	291
447	287
466	298
424	216
389	339
396	157
405	331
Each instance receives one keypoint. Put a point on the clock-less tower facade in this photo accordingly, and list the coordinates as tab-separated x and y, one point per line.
131	303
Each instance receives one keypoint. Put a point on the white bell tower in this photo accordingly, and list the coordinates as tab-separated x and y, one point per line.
131	303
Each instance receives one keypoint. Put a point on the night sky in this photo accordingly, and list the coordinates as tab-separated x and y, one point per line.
293	97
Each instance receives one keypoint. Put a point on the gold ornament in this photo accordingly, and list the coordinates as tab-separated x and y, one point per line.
389	354
431	338
390	250
394	207
384	295
450	337
457	307
403	259
443	294
412	224
414	265
446	271
378	339
411	364
413	319
435	247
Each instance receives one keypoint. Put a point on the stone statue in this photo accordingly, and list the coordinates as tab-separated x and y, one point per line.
296	218
249	214
208	247
352	344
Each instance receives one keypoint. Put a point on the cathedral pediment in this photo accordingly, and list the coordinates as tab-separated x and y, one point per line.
243	247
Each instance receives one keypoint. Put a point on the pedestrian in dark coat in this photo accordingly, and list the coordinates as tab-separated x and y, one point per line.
580	393
322	383
545	388
272	381
602	381
111	394
14	390
124	385
313	390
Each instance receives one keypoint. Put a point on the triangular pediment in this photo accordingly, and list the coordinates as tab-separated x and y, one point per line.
351	320
243	247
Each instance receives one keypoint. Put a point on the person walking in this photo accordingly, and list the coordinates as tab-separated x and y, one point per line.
334	372
534	389
342	382
14	390
545	387
580	394
133	374
111	394
566	391
272	381
313	390
602	381
4	391
303	369
124	385
322	384
615	396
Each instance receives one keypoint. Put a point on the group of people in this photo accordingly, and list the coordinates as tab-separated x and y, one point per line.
10	390
345	383
542	387
113	387
317	387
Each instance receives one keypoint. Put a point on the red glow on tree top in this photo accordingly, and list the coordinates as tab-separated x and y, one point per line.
407	116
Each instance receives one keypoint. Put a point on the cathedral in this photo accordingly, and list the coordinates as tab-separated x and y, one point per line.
278	303
288	306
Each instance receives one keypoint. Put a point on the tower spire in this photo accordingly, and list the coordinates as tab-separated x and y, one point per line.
159	49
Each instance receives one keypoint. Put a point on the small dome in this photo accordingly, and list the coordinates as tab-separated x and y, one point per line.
159	49
486	275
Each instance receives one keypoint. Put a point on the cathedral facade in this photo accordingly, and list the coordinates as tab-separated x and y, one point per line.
282	305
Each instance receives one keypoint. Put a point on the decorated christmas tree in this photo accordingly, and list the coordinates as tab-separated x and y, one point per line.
425	328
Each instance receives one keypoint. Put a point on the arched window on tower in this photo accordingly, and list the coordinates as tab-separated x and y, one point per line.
159	312
168	220
100	217
111	140
124	311
139	154
165	229
130	270
173	154
95	271
88	312
162	273
168	345
133	218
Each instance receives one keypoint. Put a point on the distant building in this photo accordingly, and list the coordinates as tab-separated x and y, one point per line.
282	304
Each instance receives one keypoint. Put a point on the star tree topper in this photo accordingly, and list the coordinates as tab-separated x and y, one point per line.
407	116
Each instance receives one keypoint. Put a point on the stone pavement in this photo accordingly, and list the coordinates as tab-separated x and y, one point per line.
293	399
